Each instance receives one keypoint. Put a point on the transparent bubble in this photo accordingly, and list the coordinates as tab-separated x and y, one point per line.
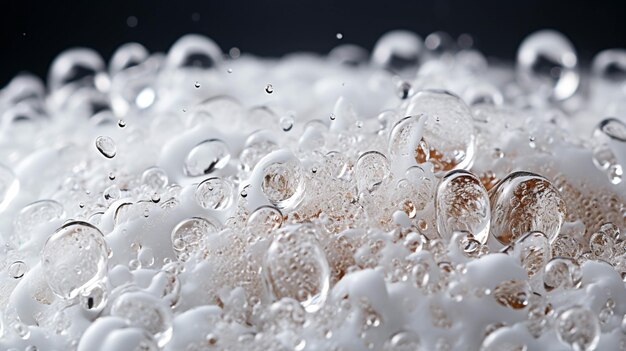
68	274
372	169
207	157
397	50
561	272
264	220
155	178
106	146
462	203
35	214
525	202
295	266
215	193
194	51
283	182
17	269
286	314
532	251
610	66
547	64
258	145
75	66
447	139
147	312
190	235
601	245
512	293
127	56
578	328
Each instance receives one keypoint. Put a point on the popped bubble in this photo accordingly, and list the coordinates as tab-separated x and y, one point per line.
68	274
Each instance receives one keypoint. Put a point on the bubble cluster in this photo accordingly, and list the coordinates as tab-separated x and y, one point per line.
418	197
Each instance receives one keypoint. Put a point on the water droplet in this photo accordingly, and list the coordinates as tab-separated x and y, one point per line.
578	328
17	269
525	202
121	123
207	157
215	193
196	84
269	89
295	266
462	203
448	131
89	254
190	235
371	170
339	36
547	64
106	146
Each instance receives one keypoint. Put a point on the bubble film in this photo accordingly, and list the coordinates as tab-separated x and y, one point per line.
418	197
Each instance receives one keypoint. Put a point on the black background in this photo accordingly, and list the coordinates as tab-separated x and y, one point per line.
32	33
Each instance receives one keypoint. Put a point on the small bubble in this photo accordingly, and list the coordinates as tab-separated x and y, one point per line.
111	176
196	84
17	269
286	123
234	53
121	123
132	21
269	89
332	117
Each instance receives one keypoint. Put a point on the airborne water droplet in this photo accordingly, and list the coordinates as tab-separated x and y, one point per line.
269	89
106	146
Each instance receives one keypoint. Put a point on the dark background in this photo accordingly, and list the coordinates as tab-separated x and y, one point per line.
32	33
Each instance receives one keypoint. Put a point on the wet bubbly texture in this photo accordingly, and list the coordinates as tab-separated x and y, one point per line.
420	197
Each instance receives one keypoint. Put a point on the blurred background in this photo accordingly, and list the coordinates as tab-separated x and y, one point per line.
32	33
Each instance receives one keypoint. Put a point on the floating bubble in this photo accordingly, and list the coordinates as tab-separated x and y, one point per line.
207	157
190	235
127	56
525	202
610	66
398	50
462	203
295	266
578	327
75	66
68	274
215	193
371	170
532	251
447	140
106	146
547	64
194	51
